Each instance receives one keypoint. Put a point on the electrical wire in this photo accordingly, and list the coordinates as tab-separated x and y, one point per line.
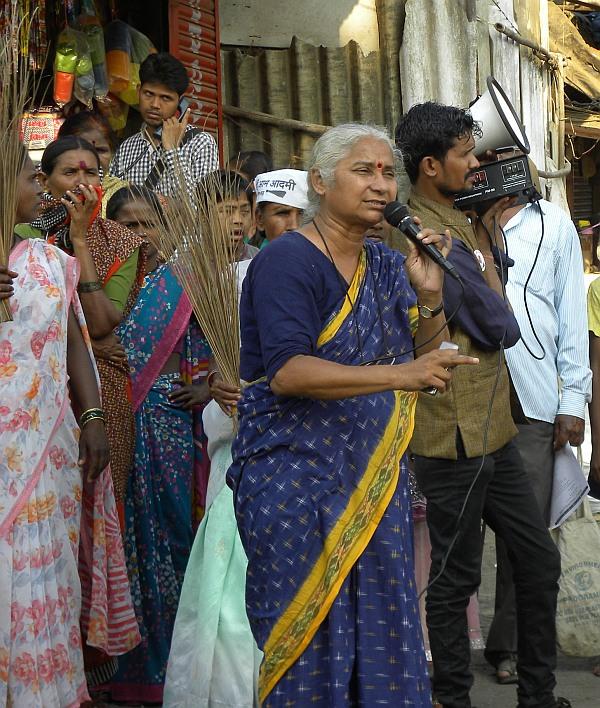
394	356
525	287
388	355
476	476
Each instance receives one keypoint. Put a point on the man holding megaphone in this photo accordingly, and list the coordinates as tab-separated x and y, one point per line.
463	452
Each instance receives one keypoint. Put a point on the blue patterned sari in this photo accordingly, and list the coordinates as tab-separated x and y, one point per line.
323	508
169	458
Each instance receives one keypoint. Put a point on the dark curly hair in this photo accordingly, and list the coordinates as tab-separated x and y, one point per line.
431	129
251	163
164	68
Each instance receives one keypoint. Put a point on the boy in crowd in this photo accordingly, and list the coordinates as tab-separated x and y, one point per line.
234	200
281	198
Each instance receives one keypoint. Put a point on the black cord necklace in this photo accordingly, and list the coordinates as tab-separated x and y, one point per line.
345	289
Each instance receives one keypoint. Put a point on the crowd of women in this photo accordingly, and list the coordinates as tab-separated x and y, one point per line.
106	461
157	526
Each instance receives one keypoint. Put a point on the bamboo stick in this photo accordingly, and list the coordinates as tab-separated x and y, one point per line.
195	238
268	119
14	96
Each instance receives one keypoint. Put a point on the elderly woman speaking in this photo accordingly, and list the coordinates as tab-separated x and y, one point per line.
320	486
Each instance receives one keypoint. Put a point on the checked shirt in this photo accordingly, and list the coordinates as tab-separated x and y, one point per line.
136	157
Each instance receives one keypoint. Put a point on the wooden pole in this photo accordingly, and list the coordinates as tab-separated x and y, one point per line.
268	119
534	46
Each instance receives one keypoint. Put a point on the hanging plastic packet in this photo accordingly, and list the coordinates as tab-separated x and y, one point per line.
84	71
91	27
141	47
115	112
65	63
118	56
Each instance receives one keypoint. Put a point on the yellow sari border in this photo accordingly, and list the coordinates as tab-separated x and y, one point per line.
334	324
351	534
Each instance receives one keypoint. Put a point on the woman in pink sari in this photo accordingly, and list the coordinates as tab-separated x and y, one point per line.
57	511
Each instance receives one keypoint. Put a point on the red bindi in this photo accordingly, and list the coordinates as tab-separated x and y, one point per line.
379	165
82	165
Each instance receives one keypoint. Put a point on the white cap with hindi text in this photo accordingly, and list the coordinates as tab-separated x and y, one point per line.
287	187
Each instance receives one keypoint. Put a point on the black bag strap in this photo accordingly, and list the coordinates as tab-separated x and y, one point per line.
157	171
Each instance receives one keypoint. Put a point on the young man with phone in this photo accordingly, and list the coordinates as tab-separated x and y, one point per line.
165	142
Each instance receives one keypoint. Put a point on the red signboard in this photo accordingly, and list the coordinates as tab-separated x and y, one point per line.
194	40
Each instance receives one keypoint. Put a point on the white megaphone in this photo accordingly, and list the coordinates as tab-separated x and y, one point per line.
500	125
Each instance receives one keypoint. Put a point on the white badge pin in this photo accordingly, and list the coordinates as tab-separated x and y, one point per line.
480	259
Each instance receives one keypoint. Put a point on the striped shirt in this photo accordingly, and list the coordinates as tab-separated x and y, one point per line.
559	384
137	155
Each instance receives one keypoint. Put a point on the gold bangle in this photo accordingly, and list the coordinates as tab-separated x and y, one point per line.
89	420
90	414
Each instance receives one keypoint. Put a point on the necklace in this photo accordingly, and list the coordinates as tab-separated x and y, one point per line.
345	289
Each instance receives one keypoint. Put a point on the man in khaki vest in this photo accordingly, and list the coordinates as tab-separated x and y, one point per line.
463	442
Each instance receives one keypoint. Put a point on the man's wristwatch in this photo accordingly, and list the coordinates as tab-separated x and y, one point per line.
427	313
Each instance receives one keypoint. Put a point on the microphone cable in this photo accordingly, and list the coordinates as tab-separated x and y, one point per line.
461	513
394	356
535	260
531	325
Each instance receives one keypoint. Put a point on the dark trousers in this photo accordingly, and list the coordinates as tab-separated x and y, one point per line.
535	445
503	497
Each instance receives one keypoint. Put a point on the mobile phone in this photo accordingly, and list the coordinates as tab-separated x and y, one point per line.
432	390
182	108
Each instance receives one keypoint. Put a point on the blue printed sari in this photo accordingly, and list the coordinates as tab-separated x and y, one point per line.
323	507
169	460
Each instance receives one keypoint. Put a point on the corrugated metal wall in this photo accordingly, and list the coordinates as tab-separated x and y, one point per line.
455	72
429	50
311	84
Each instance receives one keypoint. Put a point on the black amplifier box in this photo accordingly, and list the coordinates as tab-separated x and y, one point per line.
494	180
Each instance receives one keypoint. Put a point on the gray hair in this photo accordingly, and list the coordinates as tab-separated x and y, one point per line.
335	145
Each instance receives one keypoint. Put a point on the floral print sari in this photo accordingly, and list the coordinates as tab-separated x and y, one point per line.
45	607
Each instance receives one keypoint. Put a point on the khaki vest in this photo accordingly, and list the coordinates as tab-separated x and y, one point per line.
464	406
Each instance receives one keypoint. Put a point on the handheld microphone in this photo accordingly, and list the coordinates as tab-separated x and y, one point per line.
397	215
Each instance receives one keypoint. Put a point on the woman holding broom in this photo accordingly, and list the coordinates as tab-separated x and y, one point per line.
168	359
54	480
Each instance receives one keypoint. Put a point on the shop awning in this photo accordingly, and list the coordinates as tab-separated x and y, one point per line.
583	62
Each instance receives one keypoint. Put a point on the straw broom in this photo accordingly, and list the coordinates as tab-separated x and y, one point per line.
195	239
14	97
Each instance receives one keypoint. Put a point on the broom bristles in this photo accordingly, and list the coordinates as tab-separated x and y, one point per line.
195	238
15	88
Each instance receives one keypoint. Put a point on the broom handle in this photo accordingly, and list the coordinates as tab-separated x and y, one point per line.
5	313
